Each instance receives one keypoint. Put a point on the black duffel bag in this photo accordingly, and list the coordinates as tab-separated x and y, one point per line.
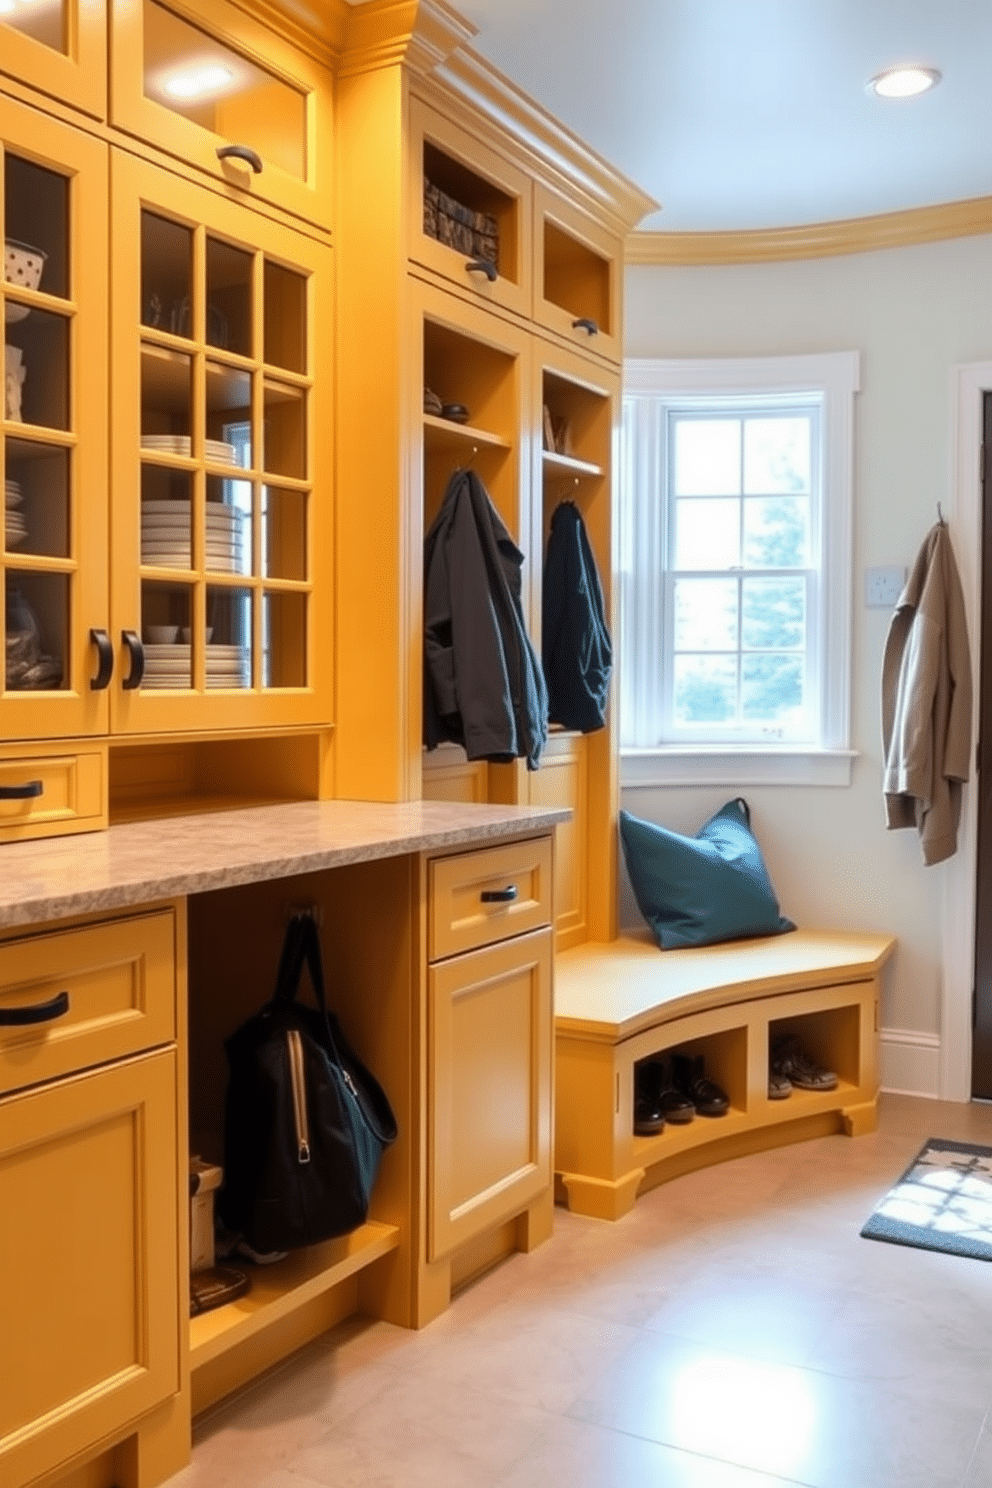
305	1123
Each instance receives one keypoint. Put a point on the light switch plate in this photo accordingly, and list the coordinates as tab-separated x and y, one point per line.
883	587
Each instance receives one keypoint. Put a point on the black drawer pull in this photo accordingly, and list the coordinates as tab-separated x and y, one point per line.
241	152
585	324
38	1012
105	651
22	792
499	896
482	266
132	641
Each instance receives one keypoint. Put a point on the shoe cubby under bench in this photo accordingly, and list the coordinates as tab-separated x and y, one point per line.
622	1001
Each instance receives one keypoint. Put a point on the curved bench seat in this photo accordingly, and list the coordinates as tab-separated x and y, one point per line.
620	1001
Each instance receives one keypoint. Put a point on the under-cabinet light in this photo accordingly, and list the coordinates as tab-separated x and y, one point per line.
904	82
197	82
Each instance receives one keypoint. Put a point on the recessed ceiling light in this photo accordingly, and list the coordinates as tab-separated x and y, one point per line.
198	82
904	82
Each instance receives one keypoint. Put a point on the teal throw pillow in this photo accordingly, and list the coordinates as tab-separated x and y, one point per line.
698	890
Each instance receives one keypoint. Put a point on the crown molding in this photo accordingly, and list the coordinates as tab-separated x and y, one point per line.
420	33
317	27
818	240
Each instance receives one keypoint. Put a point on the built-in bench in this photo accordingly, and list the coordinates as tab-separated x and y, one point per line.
618	1002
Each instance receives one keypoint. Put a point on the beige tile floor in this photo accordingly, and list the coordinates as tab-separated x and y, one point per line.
733	1331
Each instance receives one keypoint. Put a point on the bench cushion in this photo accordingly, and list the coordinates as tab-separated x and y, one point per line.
700	890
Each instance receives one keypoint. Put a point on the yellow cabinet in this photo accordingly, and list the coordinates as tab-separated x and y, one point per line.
222	512
489	1087
470	212
58	47
577	275
53	437
222	93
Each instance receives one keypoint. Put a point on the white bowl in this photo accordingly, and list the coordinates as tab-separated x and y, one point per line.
160	635
22	263
186	633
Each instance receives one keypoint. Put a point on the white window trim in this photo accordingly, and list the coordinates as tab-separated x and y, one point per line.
835	375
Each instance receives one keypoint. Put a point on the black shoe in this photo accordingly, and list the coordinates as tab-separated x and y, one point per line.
649	1114
707	1098
658	1077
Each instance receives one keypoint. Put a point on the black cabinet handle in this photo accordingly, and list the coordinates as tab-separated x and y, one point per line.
38	1012
132	641
105	651
22	792
585	324
482	266
499	896
241	152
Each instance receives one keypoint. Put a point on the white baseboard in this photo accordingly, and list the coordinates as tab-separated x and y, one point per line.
909	1062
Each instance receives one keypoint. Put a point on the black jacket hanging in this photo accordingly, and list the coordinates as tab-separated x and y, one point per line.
576	646
483	686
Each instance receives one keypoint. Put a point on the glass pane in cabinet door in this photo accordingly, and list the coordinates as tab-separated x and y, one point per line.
228	525
228	637
285	429
36	366
284	640
284	533
196	75
229	298
229	430
285	298
36	228
166	502
165	634
166	401
37	499
43	20
166	275
36	622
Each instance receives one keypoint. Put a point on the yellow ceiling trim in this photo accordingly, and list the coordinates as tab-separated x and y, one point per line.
818	240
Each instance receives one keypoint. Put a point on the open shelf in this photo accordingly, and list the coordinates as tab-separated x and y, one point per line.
566	465
443	436
278	1290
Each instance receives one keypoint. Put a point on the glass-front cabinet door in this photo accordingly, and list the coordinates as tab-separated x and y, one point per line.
225	95
53	437
221	488
59	47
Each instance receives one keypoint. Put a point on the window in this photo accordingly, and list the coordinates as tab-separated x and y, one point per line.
735	570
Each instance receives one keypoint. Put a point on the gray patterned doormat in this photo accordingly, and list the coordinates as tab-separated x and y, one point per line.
943	1201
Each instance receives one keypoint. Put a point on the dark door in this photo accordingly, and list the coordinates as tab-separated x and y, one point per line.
981	1049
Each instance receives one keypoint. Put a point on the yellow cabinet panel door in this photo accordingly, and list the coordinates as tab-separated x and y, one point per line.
490	1082
53	437
59	47
221	487
577	278
89	1261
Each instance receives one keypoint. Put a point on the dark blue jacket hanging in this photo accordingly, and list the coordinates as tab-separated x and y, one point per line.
483	686
576	646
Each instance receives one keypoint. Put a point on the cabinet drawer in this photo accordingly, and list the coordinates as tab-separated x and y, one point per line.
120	979
72	795
461	918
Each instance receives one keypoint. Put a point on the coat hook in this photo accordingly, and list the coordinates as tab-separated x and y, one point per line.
940	514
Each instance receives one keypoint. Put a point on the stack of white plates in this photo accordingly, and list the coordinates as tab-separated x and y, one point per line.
171	666
215	450
17	529
165	535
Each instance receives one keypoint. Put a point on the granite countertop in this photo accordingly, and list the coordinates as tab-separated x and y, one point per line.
140	861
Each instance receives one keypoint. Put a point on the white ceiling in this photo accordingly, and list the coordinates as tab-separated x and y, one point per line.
753	113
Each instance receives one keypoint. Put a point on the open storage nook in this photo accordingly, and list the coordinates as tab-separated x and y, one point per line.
620	1003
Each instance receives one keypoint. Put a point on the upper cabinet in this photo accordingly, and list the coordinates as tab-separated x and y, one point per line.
577	277
225	95
58	47
220	523
470	212
53	434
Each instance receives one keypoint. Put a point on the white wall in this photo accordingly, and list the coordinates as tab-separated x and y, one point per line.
914	314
